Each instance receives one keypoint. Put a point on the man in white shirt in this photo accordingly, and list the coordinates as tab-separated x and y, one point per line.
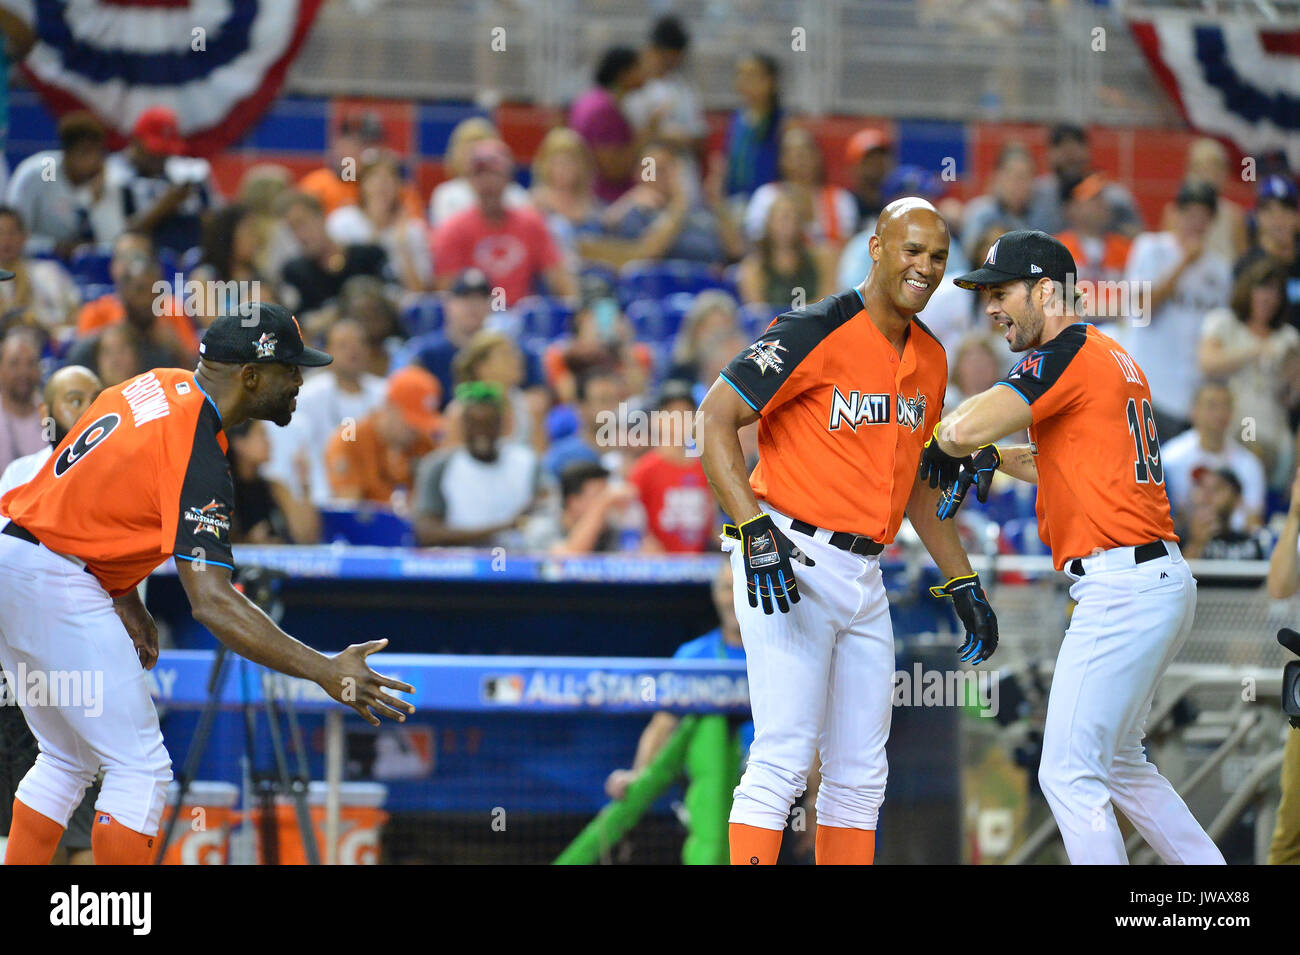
1208	445
1173	282
61	193
327	400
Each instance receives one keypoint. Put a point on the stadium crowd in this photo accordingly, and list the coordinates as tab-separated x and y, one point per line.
518	355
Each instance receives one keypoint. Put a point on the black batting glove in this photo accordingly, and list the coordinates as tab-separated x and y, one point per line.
972	606
938	467
767	554
978	470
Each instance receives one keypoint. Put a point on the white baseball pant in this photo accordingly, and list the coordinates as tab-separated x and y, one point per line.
56	618
1129	623
820	681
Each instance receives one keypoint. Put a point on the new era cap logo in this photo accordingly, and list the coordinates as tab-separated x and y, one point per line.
993	254
1033	269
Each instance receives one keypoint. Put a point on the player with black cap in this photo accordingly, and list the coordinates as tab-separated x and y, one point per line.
1104	513
142	477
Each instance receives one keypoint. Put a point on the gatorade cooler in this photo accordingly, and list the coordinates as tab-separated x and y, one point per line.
202	835
361	824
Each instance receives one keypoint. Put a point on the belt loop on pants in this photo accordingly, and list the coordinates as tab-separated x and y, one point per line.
1140	555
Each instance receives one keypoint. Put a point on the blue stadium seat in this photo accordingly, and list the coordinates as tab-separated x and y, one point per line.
674	309
658	280
755	318
647	318
89	266
542	319
422	315
191	260
1009	505
1021	536
365	525
92	291
169	263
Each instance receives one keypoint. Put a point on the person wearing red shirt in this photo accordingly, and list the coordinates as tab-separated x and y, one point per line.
670	480
511	245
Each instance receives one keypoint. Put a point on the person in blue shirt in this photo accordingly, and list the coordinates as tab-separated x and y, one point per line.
754	132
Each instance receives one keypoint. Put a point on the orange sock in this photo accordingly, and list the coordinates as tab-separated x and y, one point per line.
115	844
32	837
839	846
751	845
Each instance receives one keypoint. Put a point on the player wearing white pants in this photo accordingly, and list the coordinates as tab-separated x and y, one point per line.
1104	513
54	616
1130	622
820	683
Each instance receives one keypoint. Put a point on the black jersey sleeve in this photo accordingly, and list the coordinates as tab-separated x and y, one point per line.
207	499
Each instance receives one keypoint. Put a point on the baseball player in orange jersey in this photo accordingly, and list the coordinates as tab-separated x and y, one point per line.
845	392
143	476
1103	511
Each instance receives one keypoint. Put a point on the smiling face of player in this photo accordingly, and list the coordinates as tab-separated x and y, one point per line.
1017	311
275	391
910	251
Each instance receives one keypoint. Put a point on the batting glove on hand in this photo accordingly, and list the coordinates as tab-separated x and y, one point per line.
938	466
978	470
976	615
767	554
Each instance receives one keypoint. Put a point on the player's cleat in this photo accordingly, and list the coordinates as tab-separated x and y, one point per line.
972	606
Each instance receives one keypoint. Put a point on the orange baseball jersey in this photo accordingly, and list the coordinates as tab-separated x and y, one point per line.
1101	483
143	476
844	416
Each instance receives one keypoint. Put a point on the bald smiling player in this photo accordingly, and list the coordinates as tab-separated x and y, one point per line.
143	476
845	392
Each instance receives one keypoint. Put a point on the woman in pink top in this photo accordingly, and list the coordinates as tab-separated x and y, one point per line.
597	117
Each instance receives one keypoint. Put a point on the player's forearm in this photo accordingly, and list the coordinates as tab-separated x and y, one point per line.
1019	462
939	537
1282	572
239	624
724	466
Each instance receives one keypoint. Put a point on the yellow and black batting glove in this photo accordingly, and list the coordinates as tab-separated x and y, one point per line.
978	469
972	606
767	554
938	467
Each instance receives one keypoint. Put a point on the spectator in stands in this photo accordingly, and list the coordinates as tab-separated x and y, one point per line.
597	116
41	292
61	193
375	459
975	366
116	354
455	194
870	155
476	493
1177	280
164	334
1100	255
259	191
590	506
661	217
265	511
335	185
828	213
1010	191
381	218
21	427
364	298
511	246
229	271
1207	162
493	358
1207	532
600	337
599	394
67	393
163	193
681	517
1070	160
1282	583
1277	236
712	315
754	132
667	101
317	275
341	393
1250	346
1209	444
465	307
721	643
132	253
562	190
785	270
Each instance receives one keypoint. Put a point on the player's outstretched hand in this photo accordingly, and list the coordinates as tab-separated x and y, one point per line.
351	681
767	552
938	467
972	606
978	470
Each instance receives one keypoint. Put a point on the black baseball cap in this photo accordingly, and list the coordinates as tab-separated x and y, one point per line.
261	332
471	282
1197	193
1023	254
